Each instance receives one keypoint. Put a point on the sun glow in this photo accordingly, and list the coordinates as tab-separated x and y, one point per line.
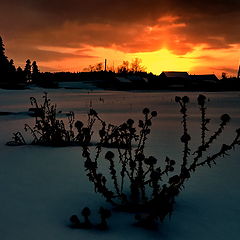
195	61
164	60
156	62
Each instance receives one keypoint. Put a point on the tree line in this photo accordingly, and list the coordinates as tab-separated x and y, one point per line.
135	66
12	77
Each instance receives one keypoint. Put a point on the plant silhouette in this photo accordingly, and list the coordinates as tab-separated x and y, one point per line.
139	185
86	224
135	183
51	131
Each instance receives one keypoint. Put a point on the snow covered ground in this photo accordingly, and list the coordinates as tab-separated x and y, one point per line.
77	85
41	187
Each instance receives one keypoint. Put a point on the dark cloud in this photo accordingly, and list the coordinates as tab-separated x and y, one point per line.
120	24
42	55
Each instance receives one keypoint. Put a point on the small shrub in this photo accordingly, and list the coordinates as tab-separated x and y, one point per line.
141	186
18	140
117	136
51	131
86	224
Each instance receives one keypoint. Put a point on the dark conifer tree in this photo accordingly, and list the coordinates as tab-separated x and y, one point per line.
12	74
20	75
27	71
35	72
4	63
12	68
19	69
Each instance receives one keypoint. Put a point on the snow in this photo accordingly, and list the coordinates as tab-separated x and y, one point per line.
41	187
77	85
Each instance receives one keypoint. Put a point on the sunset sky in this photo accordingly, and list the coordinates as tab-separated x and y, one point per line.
68	35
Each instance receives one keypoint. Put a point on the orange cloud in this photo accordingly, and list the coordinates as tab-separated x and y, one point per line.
68	34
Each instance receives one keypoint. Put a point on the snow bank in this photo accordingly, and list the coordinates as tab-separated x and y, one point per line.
41	187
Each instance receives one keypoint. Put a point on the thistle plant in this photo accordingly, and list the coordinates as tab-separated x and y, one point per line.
87	224
117	136
104	214
51	131
18	140
144	185
136	182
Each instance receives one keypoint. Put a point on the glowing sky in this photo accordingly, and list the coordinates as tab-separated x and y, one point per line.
68	35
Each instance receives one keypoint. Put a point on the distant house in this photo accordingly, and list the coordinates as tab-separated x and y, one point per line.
206	81
138	82
174	79
123	83
179	75
211	78
132	82
137	78
124	80
227	84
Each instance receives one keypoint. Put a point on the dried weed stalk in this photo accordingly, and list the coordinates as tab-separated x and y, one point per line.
137	183
50	131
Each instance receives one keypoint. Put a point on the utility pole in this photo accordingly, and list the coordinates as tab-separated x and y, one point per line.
238	75
105	65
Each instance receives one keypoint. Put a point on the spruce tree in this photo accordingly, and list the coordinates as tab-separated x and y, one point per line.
35	72
4	63
27	71
12	68
2	49
20	75
19	70
12	75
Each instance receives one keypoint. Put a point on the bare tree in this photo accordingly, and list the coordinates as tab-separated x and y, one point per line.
99	67
124	68
136	65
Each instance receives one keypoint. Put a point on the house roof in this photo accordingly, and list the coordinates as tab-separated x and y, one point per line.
205	77
135	78
175	74
123	80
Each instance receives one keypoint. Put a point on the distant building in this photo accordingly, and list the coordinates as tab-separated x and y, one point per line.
182	80
170	75
206	81
229	84
132	82
123	83
138	82
210	78
174	79
124	80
